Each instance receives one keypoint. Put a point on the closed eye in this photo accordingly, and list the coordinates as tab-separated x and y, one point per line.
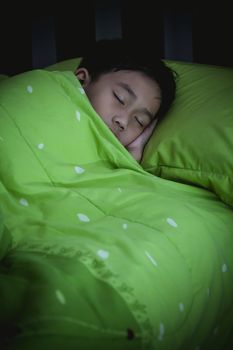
118	98
139	121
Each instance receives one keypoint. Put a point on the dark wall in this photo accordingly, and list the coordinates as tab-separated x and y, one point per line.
213	36
175	32
143	25
38	40
74	32
16	44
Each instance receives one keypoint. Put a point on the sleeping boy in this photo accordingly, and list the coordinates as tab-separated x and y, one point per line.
130	90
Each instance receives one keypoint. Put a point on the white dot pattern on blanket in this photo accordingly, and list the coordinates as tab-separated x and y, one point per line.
40	146
119	189
151	259
171	222
83	217
60	296
1	138
103	254
125	226
161	331
23	202
29	89
79	170
181	307
224	268
82	91
78	115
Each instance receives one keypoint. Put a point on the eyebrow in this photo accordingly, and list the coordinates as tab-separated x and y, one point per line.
127	88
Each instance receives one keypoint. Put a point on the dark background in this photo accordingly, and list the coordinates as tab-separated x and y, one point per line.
180	32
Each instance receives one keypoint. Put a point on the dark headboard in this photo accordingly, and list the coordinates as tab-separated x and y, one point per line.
185	33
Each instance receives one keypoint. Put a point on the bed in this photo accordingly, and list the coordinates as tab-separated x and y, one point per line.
98	251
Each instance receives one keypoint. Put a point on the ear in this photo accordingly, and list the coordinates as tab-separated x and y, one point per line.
83	76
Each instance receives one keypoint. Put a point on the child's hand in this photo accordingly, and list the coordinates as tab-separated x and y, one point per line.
137	146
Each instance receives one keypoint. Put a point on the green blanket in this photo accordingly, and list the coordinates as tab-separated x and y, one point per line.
96	252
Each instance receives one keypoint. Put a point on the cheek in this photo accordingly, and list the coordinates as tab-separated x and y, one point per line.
97	107
131	135
96	102
100	103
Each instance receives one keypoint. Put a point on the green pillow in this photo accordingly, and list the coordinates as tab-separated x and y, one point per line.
3	77
194	143
70	64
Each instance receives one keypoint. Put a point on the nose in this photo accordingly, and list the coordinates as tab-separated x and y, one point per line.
120	123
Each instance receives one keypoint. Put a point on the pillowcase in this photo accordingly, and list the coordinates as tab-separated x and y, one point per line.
70	64
194	143
3	77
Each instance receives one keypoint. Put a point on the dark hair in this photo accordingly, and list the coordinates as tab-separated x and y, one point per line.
114	55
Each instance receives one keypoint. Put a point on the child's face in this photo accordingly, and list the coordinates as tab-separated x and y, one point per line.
127	101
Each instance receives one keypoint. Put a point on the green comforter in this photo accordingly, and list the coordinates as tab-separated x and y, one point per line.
95	252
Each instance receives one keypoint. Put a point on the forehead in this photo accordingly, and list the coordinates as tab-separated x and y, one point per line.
134	79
